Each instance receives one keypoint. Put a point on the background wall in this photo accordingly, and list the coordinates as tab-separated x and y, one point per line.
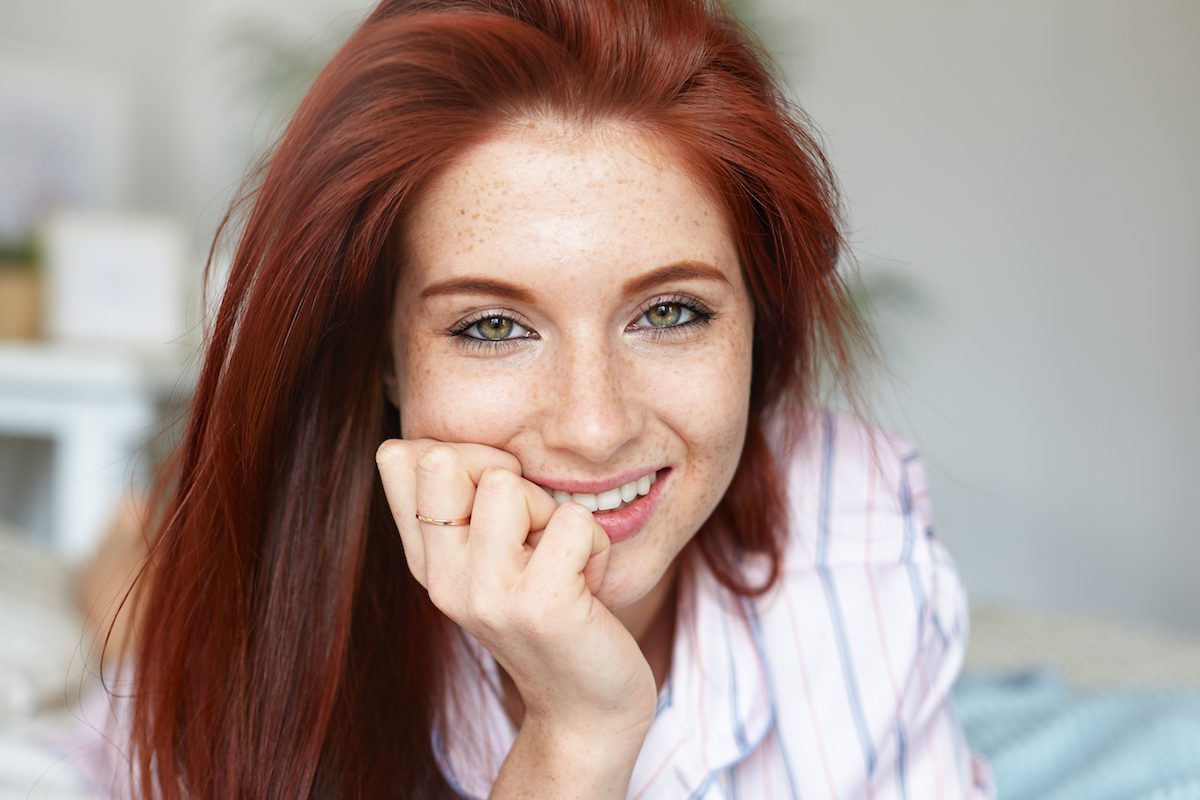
198	100
1025	172
1030	169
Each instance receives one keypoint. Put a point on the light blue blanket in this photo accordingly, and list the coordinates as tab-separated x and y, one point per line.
1047	742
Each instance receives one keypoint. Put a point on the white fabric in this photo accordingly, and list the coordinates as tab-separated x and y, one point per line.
39	627
40	671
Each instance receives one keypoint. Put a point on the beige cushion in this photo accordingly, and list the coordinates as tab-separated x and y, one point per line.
40	629
1089	652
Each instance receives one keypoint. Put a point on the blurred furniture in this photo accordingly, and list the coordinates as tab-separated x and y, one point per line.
97	407
1090	653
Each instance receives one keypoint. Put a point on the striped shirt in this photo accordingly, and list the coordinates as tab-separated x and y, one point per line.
834	684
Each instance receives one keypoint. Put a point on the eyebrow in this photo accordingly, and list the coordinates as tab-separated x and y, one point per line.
679	271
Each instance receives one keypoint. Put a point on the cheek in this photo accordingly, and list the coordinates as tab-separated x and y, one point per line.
711	397
453	400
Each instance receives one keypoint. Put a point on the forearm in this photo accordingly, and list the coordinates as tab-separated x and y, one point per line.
550	764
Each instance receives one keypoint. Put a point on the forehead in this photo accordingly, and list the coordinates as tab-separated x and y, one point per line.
543	199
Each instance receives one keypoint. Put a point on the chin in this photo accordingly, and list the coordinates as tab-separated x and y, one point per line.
626	584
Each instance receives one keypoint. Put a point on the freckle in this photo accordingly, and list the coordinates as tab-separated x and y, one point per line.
462	212
475	215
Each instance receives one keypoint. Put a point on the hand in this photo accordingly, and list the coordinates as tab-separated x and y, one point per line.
521	578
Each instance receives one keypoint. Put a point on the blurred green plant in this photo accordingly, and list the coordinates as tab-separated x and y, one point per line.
277	66
738	7
19	255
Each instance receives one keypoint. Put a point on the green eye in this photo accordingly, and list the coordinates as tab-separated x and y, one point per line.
664	315
671	316
667	315
490	332
494	329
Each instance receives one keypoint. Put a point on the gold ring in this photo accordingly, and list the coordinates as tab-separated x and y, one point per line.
453	523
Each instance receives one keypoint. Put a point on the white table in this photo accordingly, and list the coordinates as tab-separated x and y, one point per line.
97	405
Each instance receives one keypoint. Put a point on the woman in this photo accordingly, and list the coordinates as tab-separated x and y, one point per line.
563	267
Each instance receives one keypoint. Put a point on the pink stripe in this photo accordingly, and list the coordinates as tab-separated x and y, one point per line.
642	792
812	706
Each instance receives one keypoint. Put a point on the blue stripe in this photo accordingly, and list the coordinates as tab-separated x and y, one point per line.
756	632
834	606
914	582
702	789
906	556
444	765
664	699
739	730
826	489
943	639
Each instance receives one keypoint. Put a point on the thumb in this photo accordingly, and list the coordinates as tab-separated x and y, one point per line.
597	563
571	546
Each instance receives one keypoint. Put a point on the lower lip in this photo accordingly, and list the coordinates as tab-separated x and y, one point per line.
622	523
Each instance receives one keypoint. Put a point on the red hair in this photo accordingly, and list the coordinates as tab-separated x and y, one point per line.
285	649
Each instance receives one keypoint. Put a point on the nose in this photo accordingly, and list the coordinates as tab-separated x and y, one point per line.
592	409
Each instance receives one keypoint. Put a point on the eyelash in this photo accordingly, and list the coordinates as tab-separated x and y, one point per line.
701	316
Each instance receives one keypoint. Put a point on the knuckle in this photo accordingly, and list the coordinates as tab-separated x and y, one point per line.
575	516
389	452
498	479
510	462
437	458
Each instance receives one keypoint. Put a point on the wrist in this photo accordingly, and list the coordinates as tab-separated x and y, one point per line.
566	761
615	738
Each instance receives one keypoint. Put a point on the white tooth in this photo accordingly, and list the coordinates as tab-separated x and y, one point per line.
609	500
629	491
588	501
653	476
561	497
643	484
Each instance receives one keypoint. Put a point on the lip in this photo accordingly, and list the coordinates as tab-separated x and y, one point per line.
594	486
623	523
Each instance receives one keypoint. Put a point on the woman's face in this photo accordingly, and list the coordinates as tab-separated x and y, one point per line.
573	297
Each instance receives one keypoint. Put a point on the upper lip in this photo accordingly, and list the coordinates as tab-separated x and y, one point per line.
592	486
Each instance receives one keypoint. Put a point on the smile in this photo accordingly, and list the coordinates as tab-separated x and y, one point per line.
608	499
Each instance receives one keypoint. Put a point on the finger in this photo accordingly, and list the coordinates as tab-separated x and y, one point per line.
541	507
475	458
478	458
444	490
499	526
572	544
395	461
